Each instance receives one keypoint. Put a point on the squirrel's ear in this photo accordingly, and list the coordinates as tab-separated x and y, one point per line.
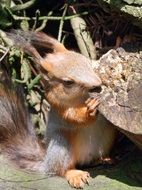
31	42
39	40
43	40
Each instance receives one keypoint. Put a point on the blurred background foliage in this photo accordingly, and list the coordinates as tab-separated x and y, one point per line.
90	27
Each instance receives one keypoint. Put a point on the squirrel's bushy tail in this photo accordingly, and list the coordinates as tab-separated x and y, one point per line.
17	136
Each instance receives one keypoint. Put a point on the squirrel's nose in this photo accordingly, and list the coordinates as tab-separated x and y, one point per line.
94	89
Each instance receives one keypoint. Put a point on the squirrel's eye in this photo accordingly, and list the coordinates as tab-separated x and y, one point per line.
68	82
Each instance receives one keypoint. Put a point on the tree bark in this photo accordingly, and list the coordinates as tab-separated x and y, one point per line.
121	74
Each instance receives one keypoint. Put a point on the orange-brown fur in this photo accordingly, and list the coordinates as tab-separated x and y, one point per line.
75	134
77	115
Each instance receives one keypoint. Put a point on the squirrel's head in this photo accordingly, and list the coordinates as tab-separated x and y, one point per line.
71	77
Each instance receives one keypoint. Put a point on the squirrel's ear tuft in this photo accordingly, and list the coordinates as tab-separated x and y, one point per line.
38	40
37	45
49	42
41	40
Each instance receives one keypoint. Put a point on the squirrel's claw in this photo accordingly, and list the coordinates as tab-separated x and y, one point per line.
77	178
92	103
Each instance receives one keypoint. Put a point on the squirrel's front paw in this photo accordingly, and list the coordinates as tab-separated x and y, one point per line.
92	103
77	178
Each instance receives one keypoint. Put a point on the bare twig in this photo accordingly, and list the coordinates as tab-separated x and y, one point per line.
44	23
4	54
18	18
62	23
36	21
83	37
26	5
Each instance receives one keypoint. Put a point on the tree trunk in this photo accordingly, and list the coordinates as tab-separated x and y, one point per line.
121	74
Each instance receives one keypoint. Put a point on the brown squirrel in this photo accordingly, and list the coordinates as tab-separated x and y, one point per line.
76	133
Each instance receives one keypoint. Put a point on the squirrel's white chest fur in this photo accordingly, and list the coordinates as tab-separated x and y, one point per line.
95	141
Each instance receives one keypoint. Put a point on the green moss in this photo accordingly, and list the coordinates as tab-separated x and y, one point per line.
124	176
